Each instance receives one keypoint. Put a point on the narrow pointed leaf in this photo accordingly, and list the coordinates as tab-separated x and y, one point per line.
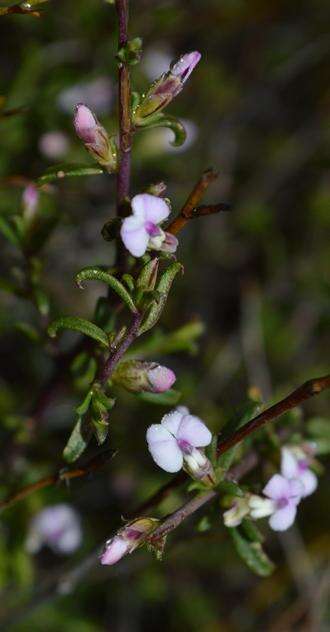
95	274
163	288
252	554
79	324
58	172
78	441
169	398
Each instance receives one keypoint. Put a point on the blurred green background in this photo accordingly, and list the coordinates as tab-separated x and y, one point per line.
257	109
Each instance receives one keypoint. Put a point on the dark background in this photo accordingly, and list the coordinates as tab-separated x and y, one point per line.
257	109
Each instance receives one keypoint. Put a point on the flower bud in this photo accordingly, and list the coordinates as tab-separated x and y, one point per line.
137	376
127	539
95	138
30	201
234	516
166	87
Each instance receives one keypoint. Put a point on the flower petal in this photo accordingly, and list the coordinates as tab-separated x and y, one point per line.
289	464
134	235
153	208
114	551
309	481
193	430
172	421
296	490
277	487
167	455
156	433
283	518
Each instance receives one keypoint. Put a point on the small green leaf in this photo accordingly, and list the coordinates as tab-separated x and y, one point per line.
101	429
163	120
84	406
252	554
229	487
163	288
169	398
58	172
204	524
147	278
78	441
78	324
251	531
9	232
41	300
95	274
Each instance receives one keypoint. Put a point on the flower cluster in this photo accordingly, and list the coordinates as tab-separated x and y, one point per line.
282	494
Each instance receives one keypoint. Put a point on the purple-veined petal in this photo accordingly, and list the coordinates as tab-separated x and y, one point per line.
277	487
283	518
193	431
309	481
115	549
134	235
153	208
172	421
289	464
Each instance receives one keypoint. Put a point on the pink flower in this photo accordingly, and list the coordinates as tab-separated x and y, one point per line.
141	230
127	539
58	527
184	66
174	443
286	495
295	464
95	137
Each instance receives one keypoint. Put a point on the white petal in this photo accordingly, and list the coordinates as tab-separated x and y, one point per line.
156	433
260	507
193	430
289	464
309	481
172	421
282	519
152	207
277	487
167	455
134	235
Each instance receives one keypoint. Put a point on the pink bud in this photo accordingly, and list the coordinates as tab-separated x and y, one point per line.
30	199
185	65
161	379
170	243
85	123
115	549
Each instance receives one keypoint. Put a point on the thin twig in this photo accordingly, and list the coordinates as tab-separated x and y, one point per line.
189	208
59	477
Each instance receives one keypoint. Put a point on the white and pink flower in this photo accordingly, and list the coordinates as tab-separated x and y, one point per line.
295	464
127	539
57	527
141	230
175	443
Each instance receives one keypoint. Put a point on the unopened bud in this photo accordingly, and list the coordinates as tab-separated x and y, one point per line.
127	539
234	516
30	201
166	87
95	138
137	376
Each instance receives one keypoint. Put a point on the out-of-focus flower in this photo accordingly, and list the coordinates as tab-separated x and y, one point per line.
97	94
127	539
286	495
164	89
175	443
58	527
54	145
95	137
141	230
137	376
30	201
295	464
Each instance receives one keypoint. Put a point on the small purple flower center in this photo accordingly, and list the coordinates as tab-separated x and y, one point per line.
302	465
152	229
282	502
184	446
